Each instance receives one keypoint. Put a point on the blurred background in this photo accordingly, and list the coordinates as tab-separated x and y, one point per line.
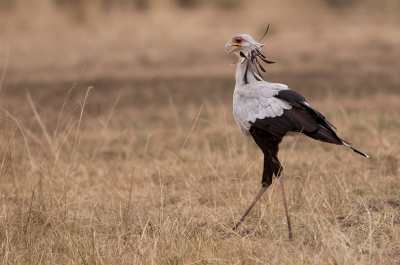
149	166
330	44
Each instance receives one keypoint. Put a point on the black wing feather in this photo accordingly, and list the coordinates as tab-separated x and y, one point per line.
300	118
297	100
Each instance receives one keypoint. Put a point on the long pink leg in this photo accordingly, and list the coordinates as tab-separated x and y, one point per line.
259	194
289	223
262	190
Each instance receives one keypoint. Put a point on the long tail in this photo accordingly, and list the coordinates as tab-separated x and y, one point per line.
355	150
328	135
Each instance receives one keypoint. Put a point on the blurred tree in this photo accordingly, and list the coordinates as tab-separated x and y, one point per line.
142	4
78	7
6	5
341	3
130	4
187	3
227	4
75	7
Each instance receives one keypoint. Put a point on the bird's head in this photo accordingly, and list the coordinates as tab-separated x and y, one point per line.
248	50
243	44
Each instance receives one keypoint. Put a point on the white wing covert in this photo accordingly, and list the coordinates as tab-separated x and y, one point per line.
257	101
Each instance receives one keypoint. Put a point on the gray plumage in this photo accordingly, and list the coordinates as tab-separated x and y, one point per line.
268	111
269	106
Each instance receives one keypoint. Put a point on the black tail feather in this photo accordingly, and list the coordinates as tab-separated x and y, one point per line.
359	152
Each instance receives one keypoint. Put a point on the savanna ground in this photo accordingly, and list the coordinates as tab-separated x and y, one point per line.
118	145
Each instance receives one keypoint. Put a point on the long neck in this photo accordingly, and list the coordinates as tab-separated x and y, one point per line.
246	72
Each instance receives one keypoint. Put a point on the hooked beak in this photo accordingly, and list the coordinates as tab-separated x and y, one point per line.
229	44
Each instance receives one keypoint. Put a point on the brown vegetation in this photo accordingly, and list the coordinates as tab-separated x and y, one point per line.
139	161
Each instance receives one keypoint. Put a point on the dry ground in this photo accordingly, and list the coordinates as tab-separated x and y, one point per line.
149	167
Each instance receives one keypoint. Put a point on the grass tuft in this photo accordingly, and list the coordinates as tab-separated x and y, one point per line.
116	186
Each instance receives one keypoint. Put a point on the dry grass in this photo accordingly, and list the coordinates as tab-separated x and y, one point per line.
154	170
109	179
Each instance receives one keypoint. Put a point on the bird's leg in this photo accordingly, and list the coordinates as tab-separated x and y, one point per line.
262	190
286	208
269	144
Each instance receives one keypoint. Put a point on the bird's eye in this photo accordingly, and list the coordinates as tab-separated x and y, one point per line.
238	40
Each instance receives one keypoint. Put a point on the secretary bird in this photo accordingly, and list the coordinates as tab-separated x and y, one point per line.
268	111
